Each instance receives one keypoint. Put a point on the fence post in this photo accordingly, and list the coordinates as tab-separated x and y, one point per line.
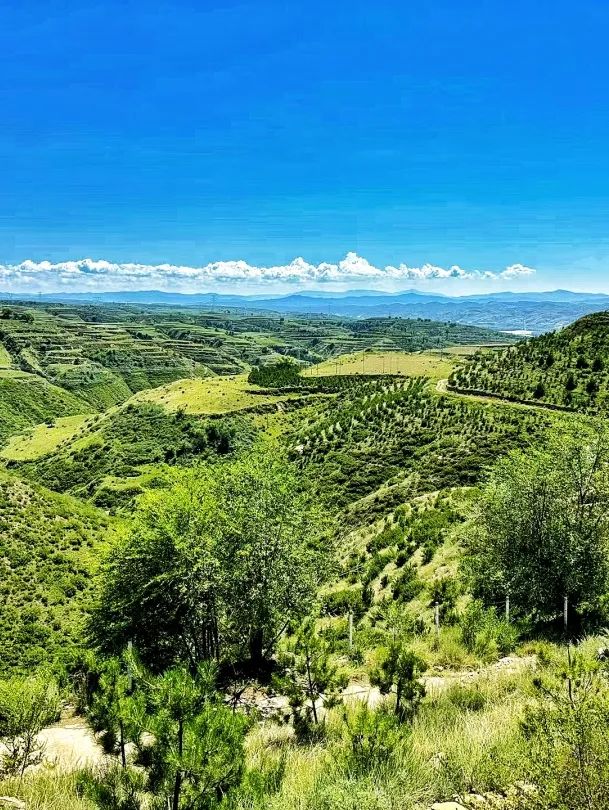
129	670
565	613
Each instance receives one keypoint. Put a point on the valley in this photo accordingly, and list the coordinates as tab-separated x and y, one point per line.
307	510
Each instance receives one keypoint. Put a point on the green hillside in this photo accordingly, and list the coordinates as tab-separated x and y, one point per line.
396	439
28	399
99	361
110	457
50	546
568	369
149	347
388	582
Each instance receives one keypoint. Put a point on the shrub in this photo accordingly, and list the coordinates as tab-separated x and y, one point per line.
567	734
369	739
26	706
485	634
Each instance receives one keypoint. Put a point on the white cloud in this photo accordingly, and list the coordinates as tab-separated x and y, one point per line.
90	274
516	270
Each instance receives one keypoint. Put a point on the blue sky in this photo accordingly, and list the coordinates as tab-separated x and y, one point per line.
409	133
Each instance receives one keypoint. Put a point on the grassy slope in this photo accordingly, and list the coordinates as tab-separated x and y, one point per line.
5	358
50	547
568	368
42	439
218	395
409	364
27	400
384	442
110	458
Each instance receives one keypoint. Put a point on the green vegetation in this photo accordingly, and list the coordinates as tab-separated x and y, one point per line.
125	443
211	397
420	364
543	529
27	705
394	439
51	545
214	568
44	438
27	400
298	586
569	369
102	355
188	741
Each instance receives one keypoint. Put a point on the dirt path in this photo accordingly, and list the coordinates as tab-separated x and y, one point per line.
359	690
70	744
442	387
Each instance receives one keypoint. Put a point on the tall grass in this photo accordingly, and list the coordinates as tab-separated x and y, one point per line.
46	790
465	738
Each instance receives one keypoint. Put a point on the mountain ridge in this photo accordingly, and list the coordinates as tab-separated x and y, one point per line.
537	312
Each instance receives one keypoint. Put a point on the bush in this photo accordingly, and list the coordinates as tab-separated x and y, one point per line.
284	374
485	634
340	603
567	734
466	698
112	787
26	706
407	585
369	739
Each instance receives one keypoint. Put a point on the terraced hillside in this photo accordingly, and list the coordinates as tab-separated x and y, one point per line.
568	369
386	441
102	363
105	353
51	544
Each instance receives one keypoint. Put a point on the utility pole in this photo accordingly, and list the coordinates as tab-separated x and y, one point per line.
507	608
437	618
565	612
350	629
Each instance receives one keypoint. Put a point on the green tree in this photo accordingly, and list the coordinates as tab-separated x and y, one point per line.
370	739
26	706
115	710
542	528
399	670
271	550
215	567
161	584
540	391
197	755
566	730
312	682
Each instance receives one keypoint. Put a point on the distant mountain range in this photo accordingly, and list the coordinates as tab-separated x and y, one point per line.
536	312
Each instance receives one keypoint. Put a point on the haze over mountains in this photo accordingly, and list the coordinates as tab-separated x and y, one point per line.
536	312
